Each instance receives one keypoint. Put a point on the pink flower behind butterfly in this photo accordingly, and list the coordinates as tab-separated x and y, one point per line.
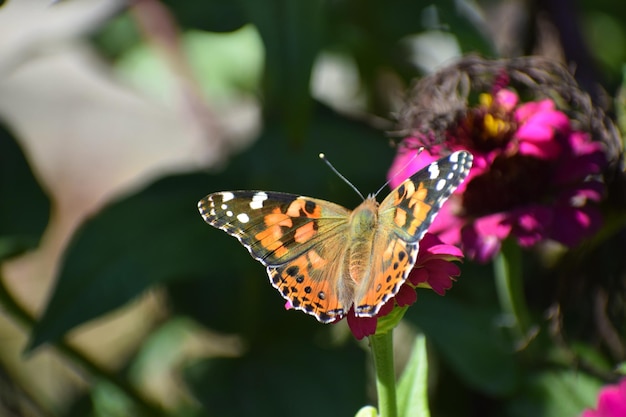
611	402
532	178
434	269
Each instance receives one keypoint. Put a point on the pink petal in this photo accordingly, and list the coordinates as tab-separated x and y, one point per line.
431	245
572	224
531	224
493	225
479	247
447	227
418	276
361	326
437	274
506	99
585	157
387	307
440	282
547	150
526	110
406	163
405	296
611	402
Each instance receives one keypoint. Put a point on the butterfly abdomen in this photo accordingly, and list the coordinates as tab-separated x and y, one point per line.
363	223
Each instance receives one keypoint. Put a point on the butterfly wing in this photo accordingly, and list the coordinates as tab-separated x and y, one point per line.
404	217
409	210
391	264
313	282
301	241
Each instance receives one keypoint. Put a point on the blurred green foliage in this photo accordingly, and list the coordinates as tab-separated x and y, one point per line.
293	366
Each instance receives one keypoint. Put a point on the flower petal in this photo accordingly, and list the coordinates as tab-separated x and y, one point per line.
611	402
432	246
361	326
408	161
481	247
406	296
572	224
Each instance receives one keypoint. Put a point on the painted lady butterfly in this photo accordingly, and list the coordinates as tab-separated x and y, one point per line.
324	258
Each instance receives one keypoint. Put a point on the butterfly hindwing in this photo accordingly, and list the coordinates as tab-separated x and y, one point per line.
390	268
313	282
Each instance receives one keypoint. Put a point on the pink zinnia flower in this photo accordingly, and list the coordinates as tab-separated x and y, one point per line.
611	402
532	178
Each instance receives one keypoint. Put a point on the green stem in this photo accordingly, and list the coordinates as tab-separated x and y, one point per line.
510	287
382	351
18	312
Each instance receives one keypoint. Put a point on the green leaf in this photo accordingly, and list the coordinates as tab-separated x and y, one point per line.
24	208
292	32
209	15
131	245
413	384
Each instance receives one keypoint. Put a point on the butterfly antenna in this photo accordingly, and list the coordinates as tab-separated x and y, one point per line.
395	174
327	162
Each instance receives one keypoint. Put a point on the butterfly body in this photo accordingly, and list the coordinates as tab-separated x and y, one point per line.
324	258
362	227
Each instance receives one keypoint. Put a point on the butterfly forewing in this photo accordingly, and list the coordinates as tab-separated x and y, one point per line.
275	227
411	208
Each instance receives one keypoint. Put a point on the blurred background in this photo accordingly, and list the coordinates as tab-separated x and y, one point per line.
116	117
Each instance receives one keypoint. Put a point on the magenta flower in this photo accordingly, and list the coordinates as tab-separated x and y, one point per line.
611	402
532	178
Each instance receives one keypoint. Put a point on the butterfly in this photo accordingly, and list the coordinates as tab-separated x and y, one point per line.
325	259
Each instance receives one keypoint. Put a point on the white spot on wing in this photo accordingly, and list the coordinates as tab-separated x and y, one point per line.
224	206
440	184
243	218
455	157
257	200
433	169
227	196
229	213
